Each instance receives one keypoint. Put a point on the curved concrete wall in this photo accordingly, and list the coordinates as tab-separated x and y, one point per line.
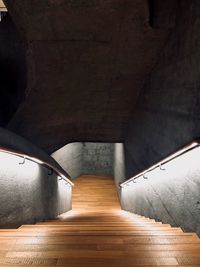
70	158
166	117
13	141
86	158
170	195
27	192
167	113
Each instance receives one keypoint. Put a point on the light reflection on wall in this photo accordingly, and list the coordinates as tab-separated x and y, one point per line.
64	190
24	168
170	194
27	193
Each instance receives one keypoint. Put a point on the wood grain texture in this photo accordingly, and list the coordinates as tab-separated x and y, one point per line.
2	6
97	233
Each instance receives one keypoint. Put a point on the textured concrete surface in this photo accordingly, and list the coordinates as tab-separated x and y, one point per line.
96	67
28	194
170	195
119	164
87	61
60	196
86	158
98	158
70	157
13	141
167	114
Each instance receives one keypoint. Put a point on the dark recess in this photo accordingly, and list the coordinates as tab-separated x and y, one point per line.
162	14
13	73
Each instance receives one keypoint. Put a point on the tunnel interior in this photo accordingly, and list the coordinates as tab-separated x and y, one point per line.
124	73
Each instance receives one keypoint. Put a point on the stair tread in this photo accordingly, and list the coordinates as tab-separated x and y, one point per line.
97	233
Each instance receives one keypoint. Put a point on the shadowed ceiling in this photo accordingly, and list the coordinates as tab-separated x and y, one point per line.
87	62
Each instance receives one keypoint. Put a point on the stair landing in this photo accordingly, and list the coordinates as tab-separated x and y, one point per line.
97	233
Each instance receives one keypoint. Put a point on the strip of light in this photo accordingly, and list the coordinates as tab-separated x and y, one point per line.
38	161
162	162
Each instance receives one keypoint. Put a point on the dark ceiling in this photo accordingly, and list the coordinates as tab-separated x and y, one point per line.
87	62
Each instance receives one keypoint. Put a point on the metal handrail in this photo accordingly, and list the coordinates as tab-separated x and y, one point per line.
36	160
178	153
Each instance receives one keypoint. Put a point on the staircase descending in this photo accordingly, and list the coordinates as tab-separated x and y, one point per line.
97	233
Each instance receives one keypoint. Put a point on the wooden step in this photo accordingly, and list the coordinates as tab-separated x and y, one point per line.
97	233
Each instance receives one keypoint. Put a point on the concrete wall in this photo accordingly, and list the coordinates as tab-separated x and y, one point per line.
119	164
98	158
170	195
28	194
70	157
166	117
86	158
17	143
167	113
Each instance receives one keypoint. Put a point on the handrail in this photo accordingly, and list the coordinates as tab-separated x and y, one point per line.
36	160
178	153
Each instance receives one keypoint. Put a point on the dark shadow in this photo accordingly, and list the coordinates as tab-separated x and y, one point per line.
13	71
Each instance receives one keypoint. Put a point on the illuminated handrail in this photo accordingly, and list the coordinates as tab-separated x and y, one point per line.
36	160
165	160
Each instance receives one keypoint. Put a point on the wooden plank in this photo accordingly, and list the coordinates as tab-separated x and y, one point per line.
97	233
2	6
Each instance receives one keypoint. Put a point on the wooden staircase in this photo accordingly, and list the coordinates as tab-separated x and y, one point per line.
97	233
